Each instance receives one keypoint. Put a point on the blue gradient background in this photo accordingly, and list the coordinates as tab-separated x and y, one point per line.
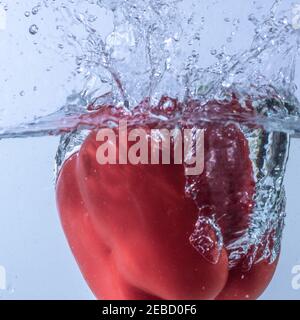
33	248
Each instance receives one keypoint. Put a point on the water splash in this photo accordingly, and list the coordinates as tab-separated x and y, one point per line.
150	52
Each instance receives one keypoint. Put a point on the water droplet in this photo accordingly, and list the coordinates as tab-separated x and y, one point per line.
236	22
226	84
207	239
253	19
197	36
285	21
33	29
35	10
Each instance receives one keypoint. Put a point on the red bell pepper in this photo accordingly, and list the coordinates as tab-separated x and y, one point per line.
133	228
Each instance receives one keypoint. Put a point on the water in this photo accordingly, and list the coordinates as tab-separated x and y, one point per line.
156	49
165	50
